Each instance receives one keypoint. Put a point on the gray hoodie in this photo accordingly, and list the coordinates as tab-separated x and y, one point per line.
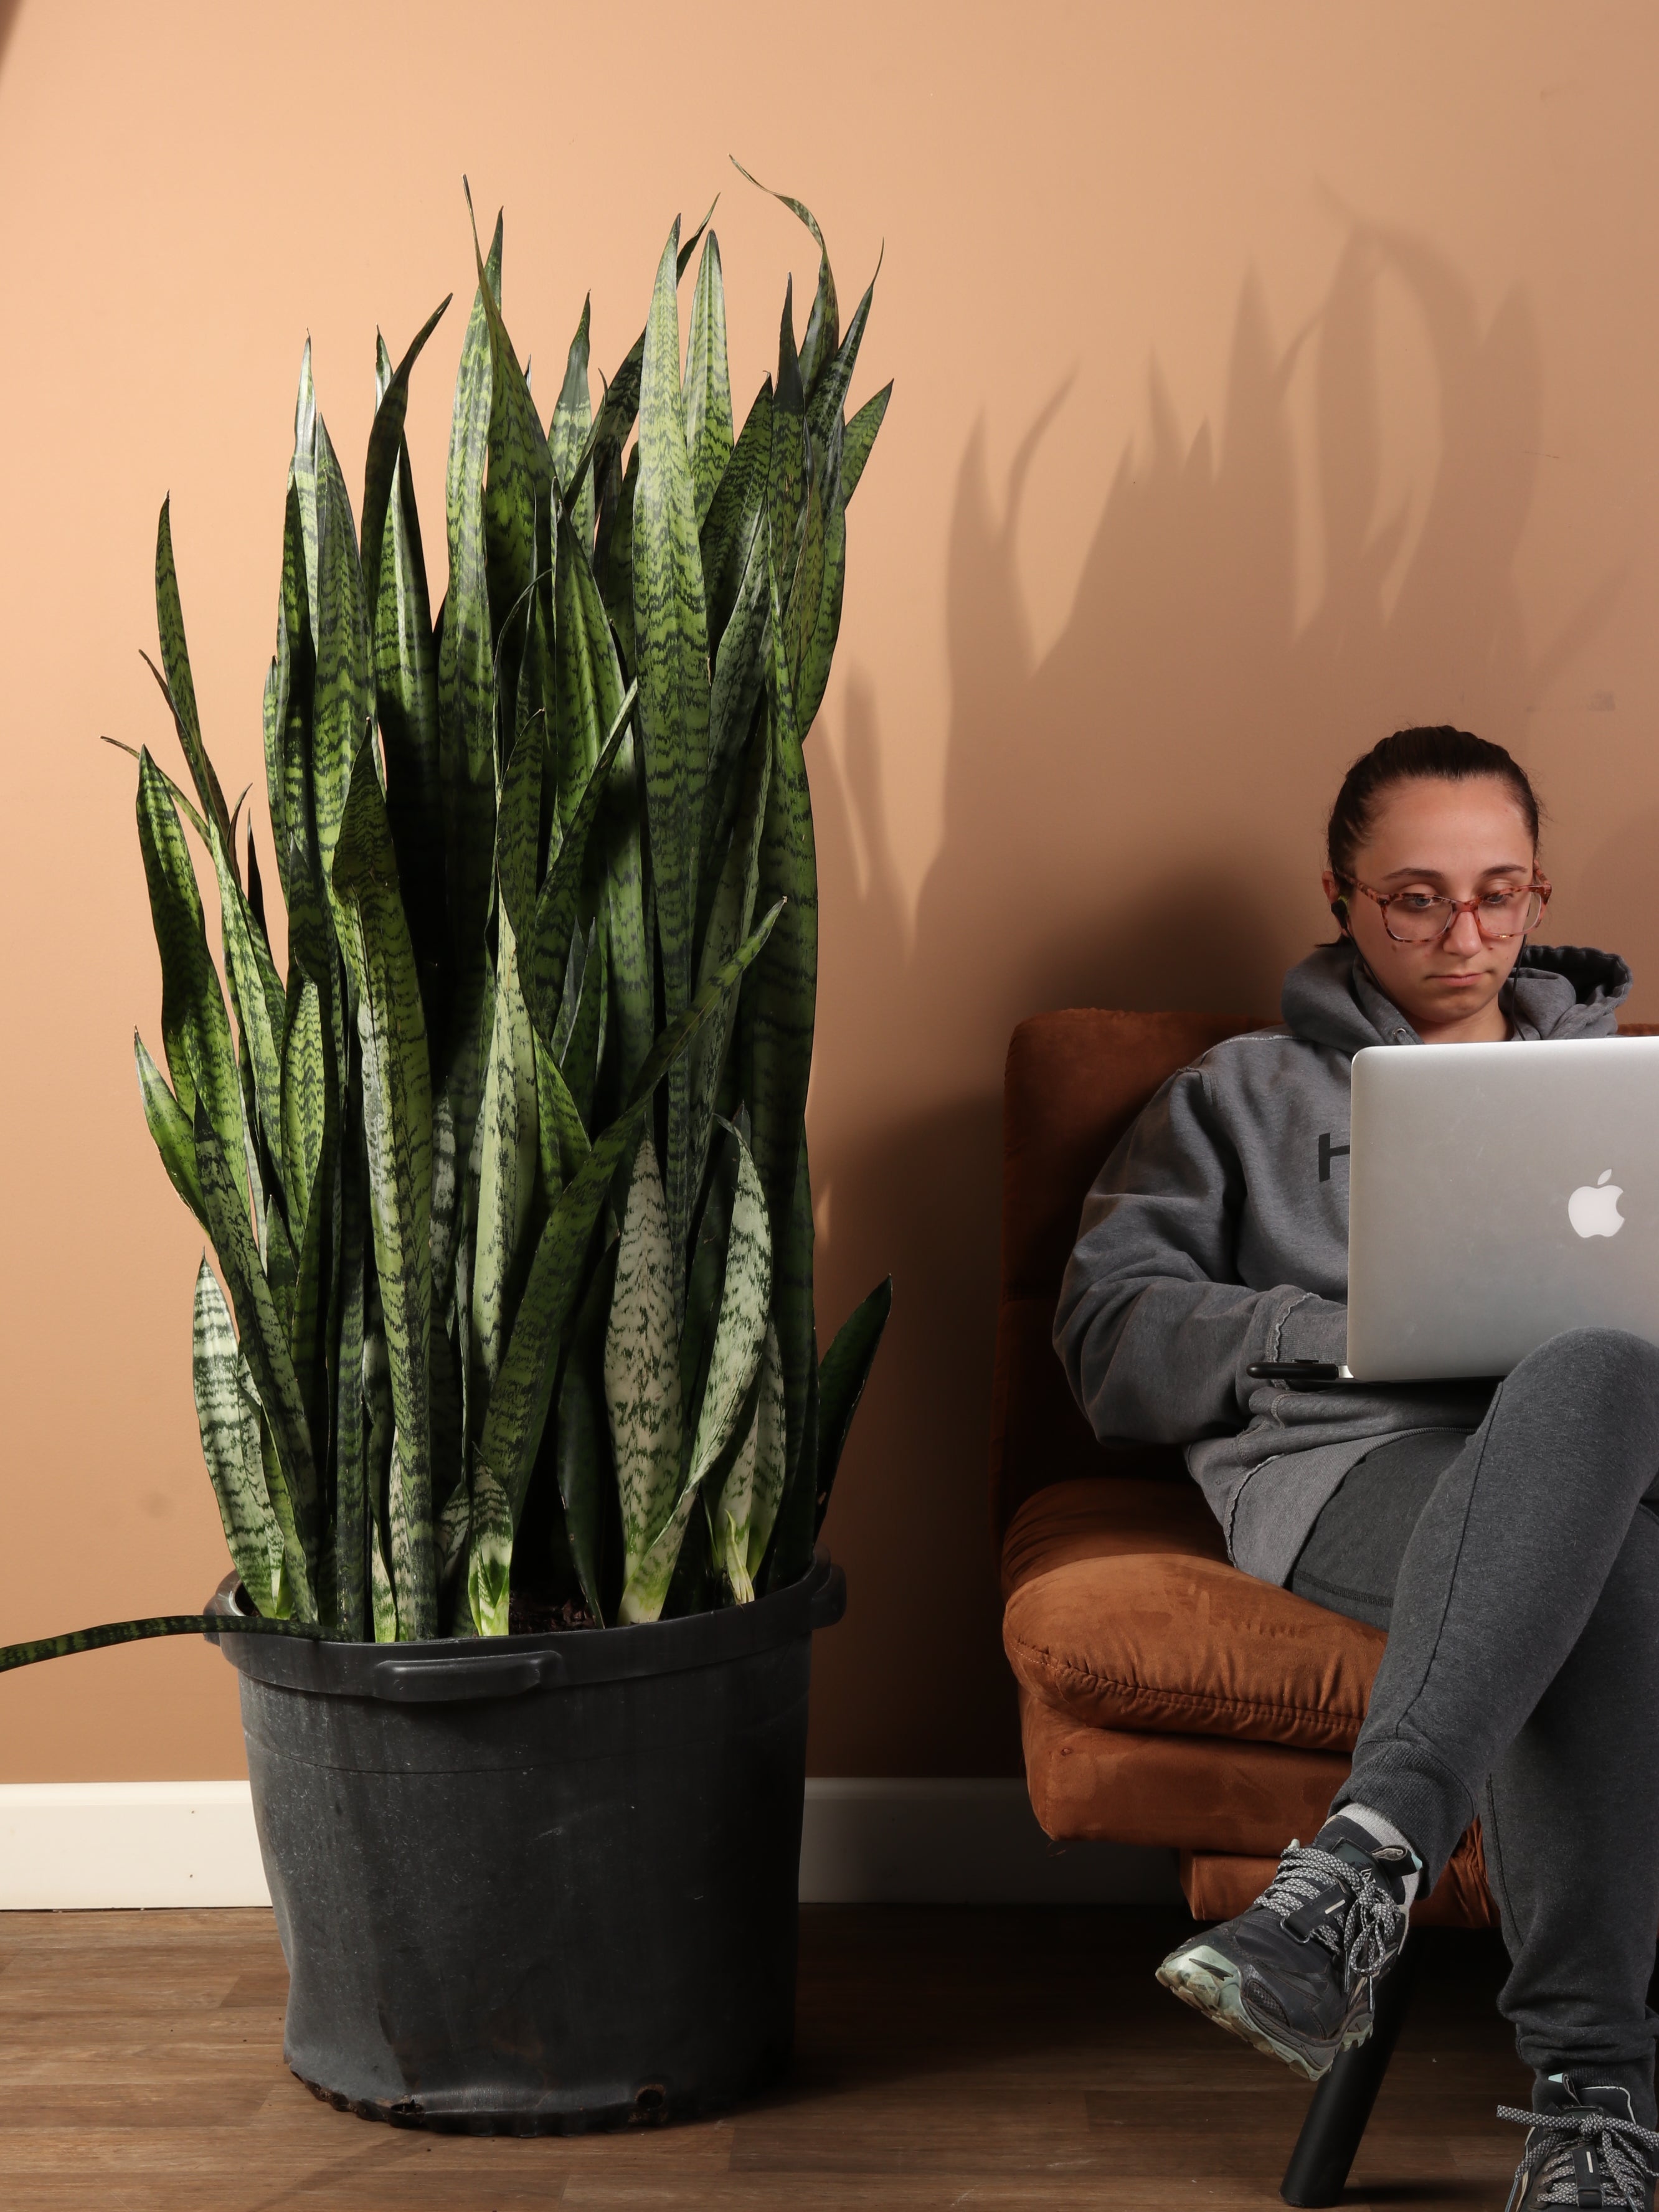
1216	1235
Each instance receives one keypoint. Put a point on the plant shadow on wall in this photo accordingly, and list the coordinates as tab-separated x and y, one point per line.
1130	820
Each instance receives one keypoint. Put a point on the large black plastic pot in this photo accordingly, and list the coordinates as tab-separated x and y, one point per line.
537	1884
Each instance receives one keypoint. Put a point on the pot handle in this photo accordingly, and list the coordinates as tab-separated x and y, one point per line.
828	1601
454	1681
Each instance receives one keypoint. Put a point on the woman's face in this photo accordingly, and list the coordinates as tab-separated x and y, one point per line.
1460	840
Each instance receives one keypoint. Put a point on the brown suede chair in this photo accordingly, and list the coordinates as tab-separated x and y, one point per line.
1165	1697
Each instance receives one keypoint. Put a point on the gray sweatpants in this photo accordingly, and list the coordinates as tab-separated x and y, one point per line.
1521	1680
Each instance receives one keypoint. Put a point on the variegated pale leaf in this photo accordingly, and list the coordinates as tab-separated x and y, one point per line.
646	1587
738	1335
642	1372
489	1559
560	1130
745	1300
754	1489
304	1110
507	1148
175	1139
228	1412
735	1499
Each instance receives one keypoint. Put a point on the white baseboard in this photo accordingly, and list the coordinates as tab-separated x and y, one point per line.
77	1846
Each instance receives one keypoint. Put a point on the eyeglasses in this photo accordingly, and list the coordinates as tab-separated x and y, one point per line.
1422	917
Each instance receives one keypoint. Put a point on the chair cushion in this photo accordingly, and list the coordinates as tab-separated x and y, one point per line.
1194	1793
1124	1613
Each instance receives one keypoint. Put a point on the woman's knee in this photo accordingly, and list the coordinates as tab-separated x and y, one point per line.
1598	1362
1601	1383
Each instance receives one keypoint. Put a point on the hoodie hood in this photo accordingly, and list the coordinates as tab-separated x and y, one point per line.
1555	991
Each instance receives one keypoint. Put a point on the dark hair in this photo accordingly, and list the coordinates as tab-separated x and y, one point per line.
1451	755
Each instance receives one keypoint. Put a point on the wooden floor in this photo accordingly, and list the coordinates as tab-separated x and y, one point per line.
1018	2059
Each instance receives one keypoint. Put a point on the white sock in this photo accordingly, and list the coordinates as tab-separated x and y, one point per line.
1385	1832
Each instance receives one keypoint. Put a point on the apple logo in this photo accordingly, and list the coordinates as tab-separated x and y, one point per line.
1593	1209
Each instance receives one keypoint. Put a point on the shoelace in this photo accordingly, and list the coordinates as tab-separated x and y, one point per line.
1621	2146
1372	1926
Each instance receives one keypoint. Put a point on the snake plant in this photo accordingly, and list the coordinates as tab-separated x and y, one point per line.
506	1179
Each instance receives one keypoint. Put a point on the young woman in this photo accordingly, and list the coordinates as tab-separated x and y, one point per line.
1508	1540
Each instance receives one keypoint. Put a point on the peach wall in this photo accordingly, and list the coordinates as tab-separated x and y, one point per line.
1268	375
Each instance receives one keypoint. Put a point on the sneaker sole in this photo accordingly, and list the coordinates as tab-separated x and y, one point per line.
1209	1983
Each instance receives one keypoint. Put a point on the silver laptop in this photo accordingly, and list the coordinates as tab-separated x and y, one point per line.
1498	1195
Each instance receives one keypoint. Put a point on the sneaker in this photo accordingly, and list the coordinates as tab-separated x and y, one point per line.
1295	1975
1584	2147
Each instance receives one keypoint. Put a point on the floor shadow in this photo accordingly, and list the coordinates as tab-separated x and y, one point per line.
1131	818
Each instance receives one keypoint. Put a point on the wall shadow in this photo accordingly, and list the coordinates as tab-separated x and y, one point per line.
1131	818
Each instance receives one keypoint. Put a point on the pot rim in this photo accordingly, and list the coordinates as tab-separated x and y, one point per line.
453	1669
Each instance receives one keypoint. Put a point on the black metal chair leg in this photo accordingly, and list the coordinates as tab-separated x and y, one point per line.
1330	2137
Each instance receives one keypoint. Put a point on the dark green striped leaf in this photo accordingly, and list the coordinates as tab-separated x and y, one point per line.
519	825
580	1059
228	1415
518	491
544	958
195	1029
587	680
180	798
672	656
731	912
860	436
344	696
404	658
518	1406
735	517
613	564
560	1130
567	436
466	689
259	1331
829	393
258	995
708	385
386	448
352	1502
783	995
398	1132
524	1386
111	1632
621	402
786	480
815	612
179	688
823	327
583	1449
302	474
174	1137
309	931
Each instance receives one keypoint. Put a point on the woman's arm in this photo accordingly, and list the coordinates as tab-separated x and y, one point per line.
1154	1328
